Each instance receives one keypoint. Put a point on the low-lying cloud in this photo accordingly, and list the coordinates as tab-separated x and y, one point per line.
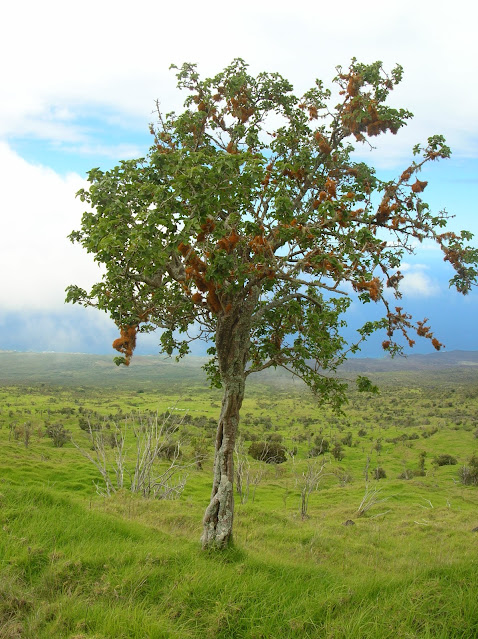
37	260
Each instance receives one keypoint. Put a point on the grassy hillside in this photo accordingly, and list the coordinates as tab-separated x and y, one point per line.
78	565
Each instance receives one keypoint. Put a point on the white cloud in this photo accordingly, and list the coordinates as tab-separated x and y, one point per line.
65	58
37	261
417	282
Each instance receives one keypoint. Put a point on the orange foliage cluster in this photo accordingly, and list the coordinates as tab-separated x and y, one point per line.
355	82
345	216
313	113
372	287
259	244
418	187
126	343
402	320
331	188
195	270
424	331
386	209
453	256
212	299
267	176
449	235
262	271
228	243
321	262
239	105
397	221
394	280
360	117
312	109
406	175
206	228
208	109
231	148
276	340
324	146
297	174
331	268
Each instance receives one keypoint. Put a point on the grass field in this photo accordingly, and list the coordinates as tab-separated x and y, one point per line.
75	564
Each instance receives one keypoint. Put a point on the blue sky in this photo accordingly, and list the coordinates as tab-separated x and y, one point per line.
79	92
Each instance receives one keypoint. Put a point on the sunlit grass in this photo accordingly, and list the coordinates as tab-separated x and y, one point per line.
76	565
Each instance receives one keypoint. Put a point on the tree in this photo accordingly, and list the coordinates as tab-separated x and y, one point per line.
250	224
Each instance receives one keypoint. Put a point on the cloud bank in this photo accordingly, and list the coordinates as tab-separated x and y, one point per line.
69	61
39	211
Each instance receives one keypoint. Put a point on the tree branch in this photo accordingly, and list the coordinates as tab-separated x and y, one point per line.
282	301
314	283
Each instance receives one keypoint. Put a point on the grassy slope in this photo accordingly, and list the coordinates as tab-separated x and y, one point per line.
74	565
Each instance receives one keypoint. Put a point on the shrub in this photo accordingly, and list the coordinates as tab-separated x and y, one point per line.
337	452
169	450
248	436
343	476
421	462
409	473
321	446
445	460
67	410
379	473
347	440
468	475
114	439
85	424
269	452
273	437
58	434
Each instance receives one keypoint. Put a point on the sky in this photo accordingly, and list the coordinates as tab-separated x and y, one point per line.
78	90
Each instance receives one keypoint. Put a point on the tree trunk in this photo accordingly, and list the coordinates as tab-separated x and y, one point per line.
232	348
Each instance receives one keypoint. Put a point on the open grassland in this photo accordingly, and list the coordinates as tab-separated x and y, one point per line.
75	564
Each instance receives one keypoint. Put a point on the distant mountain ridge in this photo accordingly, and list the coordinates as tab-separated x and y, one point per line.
85	369
432	361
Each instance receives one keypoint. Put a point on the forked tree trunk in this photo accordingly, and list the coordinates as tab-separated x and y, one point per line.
232	347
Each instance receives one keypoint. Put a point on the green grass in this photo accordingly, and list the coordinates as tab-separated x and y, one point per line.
74	565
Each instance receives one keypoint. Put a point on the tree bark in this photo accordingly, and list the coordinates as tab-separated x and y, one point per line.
232	348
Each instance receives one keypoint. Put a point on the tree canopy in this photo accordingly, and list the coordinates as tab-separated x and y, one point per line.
250	224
